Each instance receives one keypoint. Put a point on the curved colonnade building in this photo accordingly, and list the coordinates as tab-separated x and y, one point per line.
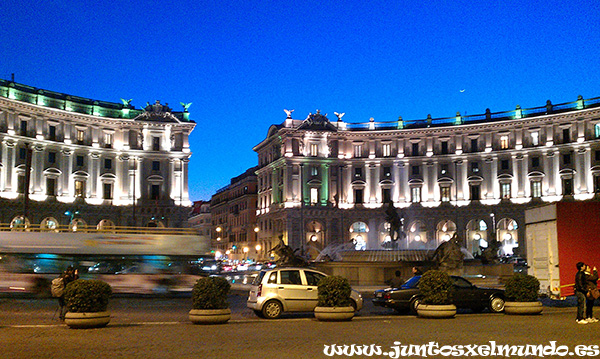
324	182
91	163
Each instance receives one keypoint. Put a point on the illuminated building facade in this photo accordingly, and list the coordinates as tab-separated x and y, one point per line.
324	182
91	163
233	211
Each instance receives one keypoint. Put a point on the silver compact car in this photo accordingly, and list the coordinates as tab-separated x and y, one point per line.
275	291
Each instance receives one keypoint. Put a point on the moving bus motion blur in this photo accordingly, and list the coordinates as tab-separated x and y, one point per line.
132	260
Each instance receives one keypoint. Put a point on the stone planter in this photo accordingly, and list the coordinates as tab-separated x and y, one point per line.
87	320
523	308
436	311
210	316
334	314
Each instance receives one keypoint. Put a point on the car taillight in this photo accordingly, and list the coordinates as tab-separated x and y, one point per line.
387	296
259	291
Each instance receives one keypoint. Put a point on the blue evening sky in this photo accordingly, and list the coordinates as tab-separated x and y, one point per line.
242	62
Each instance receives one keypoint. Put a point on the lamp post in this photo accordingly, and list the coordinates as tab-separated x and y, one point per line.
258	246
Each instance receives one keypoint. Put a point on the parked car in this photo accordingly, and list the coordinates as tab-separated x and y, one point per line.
466	295
275	291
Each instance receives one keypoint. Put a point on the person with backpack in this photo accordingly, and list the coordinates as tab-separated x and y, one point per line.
68	276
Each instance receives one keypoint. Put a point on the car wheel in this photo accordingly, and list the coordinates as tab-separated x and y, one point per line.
496	305
414	304
272	309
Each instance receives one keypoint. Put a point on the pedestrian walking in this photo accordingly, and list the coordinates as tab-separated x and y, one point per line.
580	292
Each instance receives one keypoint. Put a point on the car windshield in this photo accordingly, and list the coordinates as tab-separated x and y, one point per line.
411	283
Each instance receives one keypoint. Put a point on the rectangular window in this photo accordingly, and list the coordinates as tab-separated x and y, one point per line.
79	161
597	155
314	196
505	190
535	162
50	186
566	159
154	192
155	166
23	128
473	145
22	153
475	192
386	195
536	189
445	194
504	164
314	149
52	133
415	149
504	142
107	163
535	138
567	184
155	143
475	167
80	136
79	188
21	184
51	157
444	148
387	150
596	184
358	196
108	140
566	135
357	151
415	194
107	190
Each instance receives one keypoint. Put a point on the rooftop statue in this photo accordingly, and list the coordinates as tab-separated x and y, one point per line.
288	256
288	112
339	115
185	106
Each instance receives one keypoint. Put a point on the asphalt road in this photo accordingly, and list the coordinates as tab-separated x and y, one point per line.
158	328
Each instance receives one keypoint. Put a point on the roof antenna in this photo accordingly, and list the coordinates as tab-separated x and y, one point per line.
13	77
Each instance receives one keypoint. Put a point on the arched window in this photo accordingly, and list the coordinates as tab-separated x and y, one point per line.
417	236
19	223
78	225
106	225
508	236
444	231
358	235
49	224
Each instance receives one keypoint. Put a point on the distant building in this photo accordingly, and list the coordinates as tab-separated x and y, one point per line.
233	211
91	162
201	219
323	182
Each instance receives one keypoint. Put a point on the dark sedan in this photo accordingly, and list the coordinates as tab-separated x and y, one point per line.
466	295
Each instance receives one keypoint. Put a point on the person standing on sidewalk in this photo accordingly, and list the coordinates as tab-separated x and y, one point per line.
68	276
591	279
580	292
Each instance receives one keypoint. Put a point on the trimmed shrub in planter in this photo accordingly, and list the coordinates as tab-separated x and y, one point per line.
436	291
209	301
522	288
522	292
89	296
334	299
87	303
